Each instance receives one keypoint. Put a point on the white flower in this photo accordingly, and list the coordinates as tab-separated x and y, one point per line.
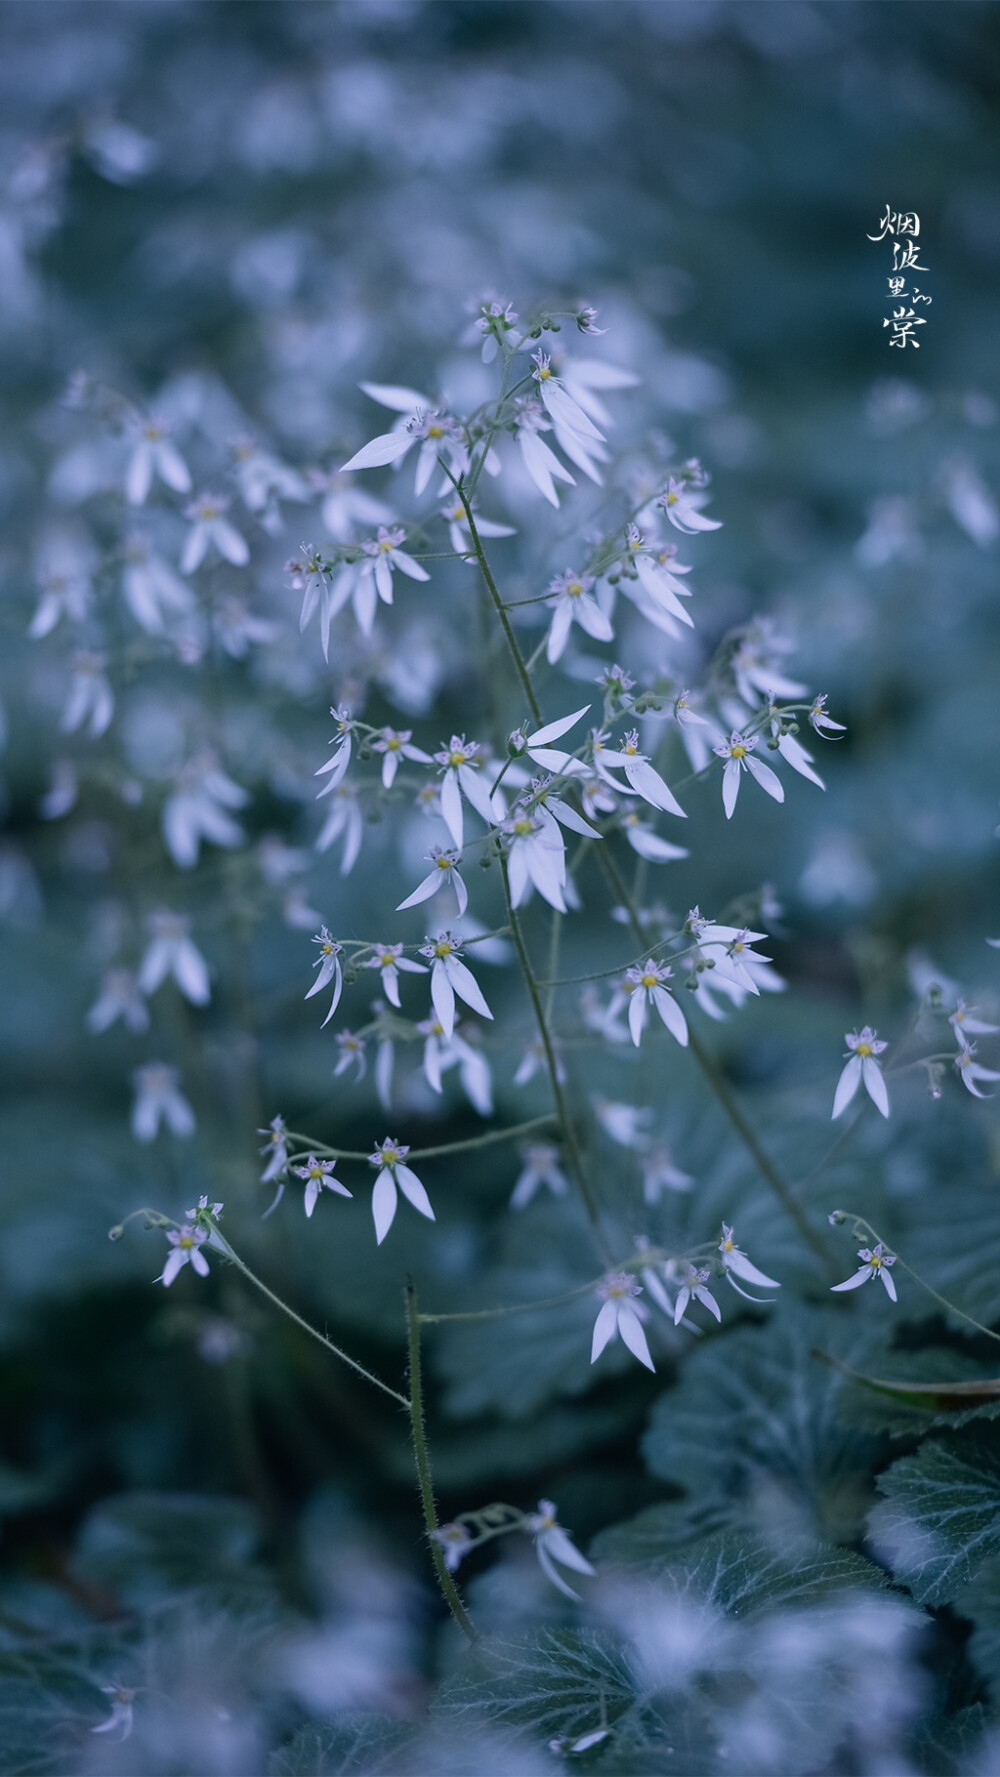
444	874
738	754
495	321
648	844
585	318
210	526
154	454
395	744
659	1171
566	413
819	719
969	1070
463	776
570	598
152	590
538	749
961	1021
456	515
329	966
755	664
645	781
238	629
187	1244
533	1061
582	1742
119	998
389	1159
344	820
345	506
621	1315
736	1263
122	1699
352	1049
158	1098
91	700
678	504
541	1167
318	1175
473	1068
552	1544
171	952
384	554
539	460
657	573
861	1065
336	767
197	810
876	1264
583	377
626	1124
450	976
536	857
436	432
792	750
389	959
693	1281
454	1539
263	480
276	1149
646	987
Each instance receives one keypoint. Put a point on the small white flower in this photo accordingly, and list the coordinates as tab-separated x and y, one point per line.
645	781
318	1175
336	767
352	1049
187	1244
819	719
389	959
876	1264
344	821
396	744
861	1065
659	1173
384	554
455	1540
119	998
678	504
456	515
159	1099
620	1314
90	701
962	1020
626	1124
122	1699
209	526
552	1544
450	976
153	592
437	433
463	775
541	1167
693	1282
154	454
389	1158
738	754
735	1263
276	1149
570	599
197	810
329	966
646	987
444	874
540	461
538	746
969	1070
473	1068
536	857
171	952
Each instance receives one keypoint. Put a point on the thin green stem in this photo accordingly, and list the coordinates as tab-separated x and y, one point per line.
569	1133
511	639
450	1147
376	1381
422	1459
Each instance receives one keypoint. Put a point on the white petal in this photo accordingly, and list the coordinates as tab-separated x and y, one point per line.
605	1327
560	1547
730	786
191	973
767	779
466	986
554	730
413	1190
568	817
671	1015
397	396
847	1086
650	785
383	1204
630	1328
854	1282
425	890
564	409
890	1287
637	1014
388	447
559	633
739	1263
406	565
476	786
875	1084
451	807
799	760
443	997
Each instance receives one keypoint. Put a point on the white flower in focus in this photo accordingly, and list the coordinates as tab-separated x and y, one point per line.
437	433
962	1020
384	554
329	966
336	767
969	1070
876	1264
444	874
389	959
352	1049
861	1065
454	1539
389	1158
119	998
91	700
678	504
153	592
646	987
456	516
171	952
537	745
645	781
620	1314
318	1175
570	599
541	1167
536	857
276	1149
693	1282
735	1263
540	461
450	976
154	454
738	754
463	775
197	810
159	1099
495	321
209	526
819	719
396	744
187	1244
122	1699
552	1544
657	573
659	1173
566	413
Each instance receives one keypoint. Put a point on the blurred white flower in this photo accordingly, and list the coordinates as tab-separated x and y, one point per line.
91	700
680	506
172	952
210	528
122	1700
276	1149
552	1544
158	1098
153	592
659	1173
119	998
969	1070
154	454
197	810
541	1167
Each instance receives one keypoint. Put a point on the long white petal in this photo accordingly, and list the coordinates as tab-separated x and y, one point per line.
796	756
649	784
424	890
890	1287
476	786
854	1282
559	633
413	1191
767	779
443	997
568	817
730	786
671	1015
388	447
604	1329
559	1546
847	1086
466	986
554	730
875	1084
739	1263
637	1014
451	807
564	409
383	1204
630	1328
396	396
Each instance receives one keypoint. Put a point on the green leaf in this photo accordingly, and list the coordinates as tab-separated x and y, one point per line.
738	1573
548	1683
939	1520
351	1746
148	1546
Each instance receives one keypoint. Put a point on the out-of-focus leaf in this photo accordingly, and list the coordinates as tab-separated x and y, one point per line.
547	1684
939	1519
351	1746
736	1572
146	1547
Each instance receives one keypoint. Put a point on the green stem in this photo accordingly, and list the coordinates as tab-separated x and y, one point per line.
450	1147
569	1133
422	1459
491	586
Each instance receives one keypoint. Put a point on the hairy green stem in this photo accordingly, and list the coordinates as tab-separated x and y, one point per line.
451	1147
422	1459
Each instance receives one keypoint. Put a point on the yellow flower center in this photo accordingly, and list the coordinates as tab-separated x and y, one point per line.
650	981
151	432
875	1261
574	589
863	1049
316	1172
630	749
385	545
435	431
458	758
327	949
393	746
390	1156
522	826
671	499
387	958
186	1240
444	948
543	375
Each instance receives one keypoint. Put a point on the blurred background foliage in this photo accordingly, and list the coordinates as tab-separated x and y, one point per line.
271	202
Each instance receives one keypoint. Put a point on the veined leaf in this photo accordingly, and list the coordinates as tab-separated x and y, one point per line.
940	1518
